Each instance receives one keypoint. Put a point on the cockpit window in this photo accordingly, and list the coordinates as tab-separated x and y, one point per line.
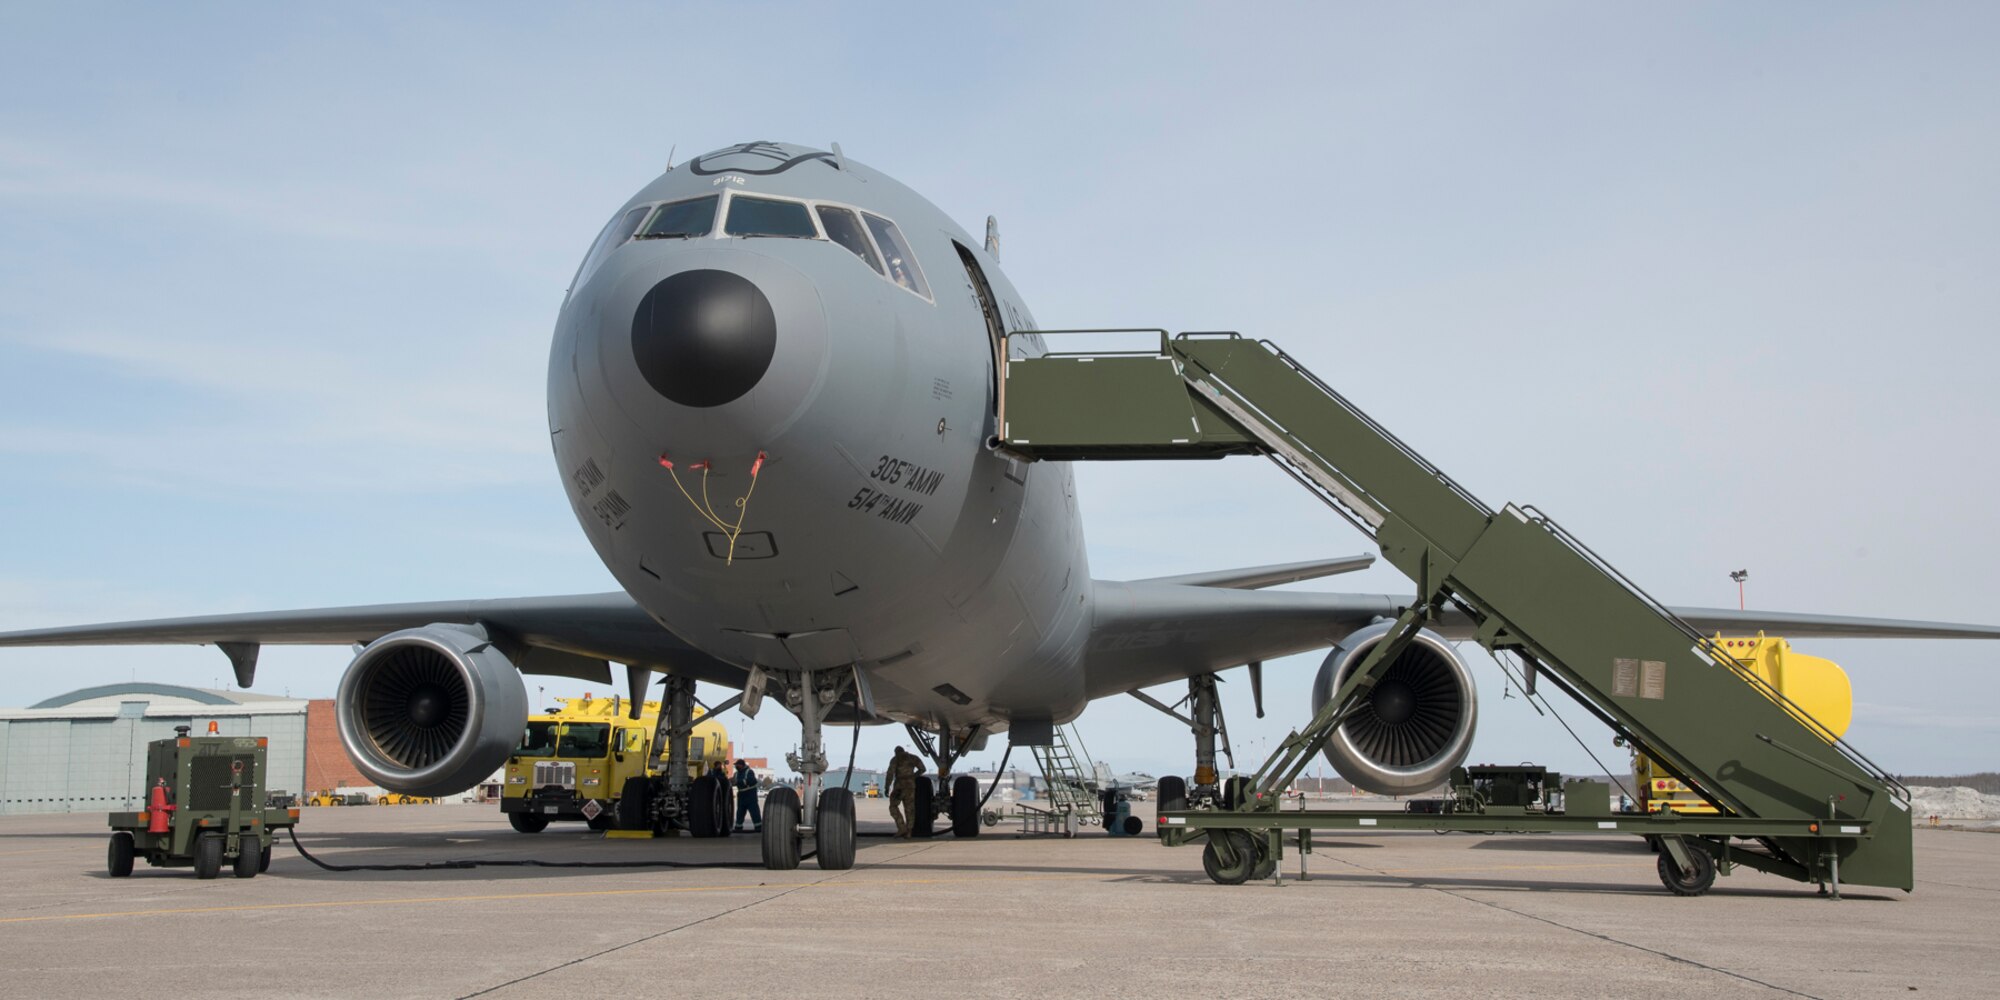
765	217
843	228
902	263
616	232
681	220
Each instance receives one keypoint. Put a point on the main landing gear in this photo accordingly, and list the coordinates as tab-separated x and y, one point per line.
670	801
1211	732
960	803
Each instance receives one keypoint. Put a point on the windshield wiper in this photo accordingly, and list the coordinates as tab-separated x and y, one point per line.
668	236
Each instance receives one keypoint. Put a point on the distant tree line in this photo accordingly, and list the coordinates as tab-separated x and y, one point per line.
1984	781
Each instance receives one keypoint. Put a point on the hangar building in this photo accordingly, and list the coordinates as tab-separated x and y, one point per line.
85	751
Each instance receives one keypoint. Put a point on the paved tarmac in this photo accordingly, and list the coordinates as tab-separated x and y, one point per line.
1386	915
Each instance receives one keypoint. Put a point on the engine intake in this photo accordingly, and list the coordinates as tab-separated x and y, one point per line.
1413	727
431	710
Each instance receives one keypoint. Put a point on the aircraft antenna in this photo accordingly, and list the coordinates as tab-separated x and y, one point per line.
993	238
670	157
839	160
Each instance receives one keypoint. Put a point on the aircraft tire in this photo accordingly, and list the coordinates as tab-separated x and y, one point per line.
527	822
781	830
1234	790
264	857
834	829
965	806
207	855
1237	867
707	816
1172	793
249	857
635	801
118	860
924	813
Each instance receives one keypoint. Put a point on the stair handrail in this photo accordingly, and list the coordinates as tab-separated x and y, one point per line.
1721	657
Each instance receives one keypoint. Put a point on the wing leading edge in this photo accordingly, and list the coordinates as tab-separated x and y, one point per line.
592	628
1150	632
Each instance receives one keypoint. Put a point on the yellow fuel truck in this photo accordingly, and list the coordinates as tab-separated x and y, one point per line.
573	762
1816	686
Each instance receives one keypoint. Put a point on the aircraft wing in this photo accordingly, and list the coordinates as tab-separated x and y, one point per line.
1150	632
1259	577
1793	625
592	628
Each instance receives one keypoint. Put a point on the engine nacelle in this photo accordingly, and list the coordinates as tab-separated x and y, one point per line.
1413	727
431	710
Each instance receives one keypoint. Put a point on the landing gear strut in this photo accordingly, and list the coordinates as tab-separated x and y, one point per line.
1204	719
664	804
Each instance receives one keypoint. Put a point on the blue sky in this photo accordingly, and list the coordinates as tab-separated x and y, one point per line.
1712	285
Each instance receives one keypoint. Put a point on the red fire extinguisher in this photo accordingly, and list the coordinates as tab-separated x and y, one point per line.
158	812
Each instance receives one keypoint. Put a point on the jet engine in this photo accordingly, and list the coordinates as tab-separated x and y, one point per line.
1413	727
431	710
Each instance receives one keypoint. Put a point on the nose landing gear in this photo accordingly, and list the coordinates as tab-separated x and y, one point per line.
823	816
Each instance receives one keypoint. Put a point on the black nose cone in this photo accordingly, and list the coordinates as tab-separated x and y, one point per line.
703	338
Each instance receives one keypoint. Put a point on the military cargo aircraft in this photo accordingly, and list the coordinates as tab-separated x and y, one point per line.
772	404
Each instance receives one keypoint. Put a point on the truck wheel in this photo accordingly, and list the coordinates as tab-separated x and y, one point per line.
1230	857
707	815
835	830
924	811
965	806
249	857
527	822
1692	881
1267	862
781	830
635	801
264	856
207	855
118	860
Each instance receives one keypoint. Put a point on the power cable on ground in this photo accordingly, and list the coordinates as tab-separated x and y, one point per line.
460	865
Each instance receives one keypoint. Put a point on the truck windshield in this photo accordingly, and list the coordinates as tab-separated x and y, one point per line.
573	739
539	741
584	739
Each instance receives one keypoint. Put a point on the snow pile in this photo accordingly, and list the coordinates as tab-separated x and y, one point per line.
1956	802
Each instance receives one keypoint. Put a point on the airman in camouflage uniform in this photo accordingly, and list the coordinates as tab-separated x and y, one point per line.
905	770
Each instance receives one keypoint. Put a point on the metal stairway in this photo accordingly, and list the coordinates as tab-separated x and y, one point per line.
1528	588
1070	780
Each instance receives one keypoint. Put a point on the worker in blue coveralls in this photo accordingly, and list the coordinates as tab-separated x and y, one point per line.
746	797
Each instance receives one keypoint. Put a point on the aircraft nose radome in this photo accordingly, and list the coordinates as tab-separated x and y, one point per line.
703	338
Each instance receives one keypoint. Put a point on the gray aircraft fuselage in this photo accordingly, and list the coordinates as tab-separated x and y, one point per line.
858	378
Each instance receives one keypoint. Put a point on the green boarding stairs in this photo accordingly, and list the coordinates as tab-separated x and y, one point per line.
1819	808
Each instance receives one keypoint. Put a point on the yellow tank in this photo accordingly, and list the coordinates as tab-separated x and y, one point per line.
1816	687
